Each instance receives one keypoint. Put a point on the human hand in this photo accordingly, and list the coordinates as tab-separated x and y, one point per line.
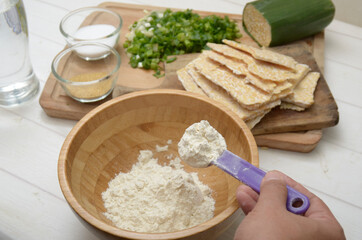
268	218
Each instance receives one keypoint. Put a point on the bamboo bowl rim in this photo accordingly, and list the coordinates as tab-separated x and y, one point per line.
82	212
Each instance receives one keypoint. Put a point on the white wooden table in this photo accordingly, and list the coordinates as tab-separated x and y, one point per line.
31	203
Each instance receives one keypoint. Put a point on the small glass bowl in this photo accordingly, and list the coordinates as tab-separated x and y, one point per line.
87	81
91	24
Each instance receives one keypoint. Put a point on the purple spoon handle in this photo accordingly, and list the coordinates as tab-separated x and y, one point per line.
252	176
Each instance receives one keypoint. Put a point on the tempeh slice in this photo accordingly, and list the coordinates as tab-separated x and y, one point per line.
252	122
291	106
187	82
219	94
247	95
265	54
264	70
270	72
303	93
231	52
240	68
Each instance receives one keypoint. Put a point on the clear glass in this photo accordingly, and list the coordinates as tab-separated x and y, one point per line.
18	82
85	79
91	24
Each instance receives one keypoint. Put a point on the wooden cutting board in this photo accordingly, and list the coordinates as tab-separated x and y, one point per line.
57	104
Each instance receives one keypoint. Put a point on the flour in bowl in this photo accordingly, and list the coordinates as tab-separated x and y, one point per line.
201	144
155	198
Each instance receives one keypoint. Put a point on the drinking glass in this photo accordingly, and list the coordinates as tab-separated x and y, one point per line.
18	82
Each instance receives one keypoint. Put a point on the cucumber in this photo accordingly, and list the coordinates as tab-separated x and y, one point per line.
277	22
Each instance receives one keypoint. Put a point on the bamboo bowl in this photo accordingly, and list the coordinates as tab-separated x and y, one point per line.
108	139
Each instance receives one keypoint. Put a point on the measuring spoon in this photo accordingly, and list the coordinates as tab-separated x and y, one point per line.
252	176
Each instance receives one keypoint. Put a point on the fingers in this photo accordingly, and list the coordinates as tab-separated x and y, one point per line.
273	195
273	191
247	198
318	209
297	186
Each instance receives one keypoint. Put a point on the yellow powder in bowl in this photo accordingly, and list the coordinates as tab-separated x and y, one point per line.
93	90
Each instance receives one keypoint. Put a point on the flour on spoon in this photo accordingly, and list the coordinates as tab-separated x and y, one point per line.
201	144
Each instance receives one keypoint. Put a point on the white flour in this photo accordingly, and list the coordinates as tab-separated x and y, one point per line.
201	144
161	148
155	198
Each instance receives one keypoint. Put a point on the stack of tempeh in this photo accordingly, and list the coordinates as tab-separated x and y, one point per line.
249	80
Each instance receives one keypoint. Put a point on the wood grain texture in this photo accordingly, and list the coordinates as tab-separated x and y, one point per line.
109	138
293	141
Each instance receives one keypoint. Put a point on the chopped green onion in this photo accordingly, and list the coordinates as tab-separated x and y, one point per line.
161	34
170	60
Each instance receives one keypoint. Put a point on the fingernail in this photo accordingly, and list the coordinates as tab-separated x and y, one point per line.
273	175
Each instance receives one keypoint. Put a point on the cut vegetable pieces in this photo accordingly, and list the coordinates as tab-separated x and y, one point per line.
160	34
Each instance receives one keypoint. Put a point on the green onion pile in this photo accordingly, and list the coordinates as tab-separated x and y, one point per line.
158	35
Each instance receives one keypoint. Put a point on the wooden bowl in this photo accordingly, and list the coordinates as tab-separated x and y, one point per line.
108	139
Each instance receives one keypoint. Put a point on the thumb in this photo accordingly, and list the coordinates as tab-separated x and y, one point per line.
273	191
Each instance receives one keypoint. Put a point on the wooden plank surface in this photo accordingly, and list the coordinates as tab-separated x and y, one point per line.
57	104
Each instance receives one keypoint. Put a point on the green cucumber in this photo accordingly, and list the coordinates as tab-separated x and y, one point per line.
277	22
